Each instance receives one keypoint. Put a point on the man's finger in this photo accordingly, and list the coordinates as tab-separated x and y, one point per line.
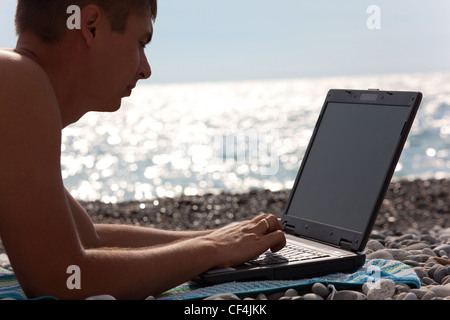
276	240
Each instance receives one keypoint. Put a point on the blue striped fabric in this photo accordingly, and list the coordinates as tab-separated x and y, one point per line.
371	271
9	286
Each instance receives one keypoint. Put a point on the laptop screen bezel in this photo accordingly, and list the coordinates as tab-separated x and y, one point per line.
337	236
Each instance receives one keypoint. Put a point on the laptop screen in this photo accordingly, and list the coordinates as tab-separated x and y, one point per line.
346	166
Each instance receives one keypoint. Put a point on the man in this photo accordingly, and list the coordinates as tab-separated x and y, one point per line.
52	78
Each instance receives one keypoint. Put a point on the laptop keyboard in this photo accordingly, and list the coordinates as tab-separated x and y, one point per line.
289	253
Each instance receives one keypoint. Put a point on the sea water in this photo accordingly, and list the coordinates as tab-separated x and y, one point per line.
196	138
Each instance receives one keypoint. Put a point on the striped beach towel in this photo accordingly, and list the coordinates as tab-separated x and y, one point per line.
9	286
371	271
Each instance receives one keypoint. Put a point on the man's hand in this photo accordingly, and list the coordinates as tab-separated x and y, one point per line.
241	241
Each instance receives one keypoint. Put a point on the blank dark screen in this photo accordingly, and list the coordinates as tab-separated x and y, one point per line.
347	164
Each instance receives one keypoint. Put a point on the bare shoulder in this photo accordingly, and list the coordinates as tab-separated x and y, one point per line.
30	113
11	62
23	81
30	121
30	126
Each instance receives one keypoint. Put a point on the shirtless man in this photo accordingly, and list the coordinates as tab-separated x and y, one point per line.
52	78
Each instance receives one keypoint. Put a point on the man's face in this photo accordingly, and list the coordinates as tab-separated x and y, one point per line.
119	61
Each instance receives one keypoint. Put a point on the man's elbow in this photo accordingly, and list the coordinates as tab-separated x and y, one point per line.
55	278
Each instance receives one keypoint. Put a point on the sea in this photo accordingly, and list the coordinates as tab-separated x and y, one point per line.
178	139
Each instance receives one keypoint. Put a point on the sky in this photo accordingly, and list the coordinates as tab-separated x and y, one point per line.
233	40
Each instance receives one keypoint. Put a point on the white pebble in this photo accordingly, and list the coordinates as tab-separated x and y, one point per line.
381	290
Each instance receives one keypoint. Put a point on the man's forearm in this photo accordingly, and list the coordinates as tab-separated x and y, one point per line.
135	273
132	273
126	236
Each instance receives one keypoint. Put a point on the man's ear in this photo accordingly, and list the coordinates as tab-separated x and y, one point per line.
90	19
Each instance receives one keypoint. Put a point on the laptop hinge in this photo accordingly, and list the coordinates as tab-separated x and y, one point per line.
289	229
345	244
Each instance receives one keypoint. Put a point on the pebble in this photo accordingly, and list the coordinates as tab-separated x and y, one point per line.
445	248
261	296
398	254
417	246
441	291
428	238
428	295
405	237
366	286
4	261
440	273
380	254
320	289
349	295
291	293
428	281
444	237
420	272
419	292
418	257
374	245
381	290
402	288
312	296
410	296
429	252
411	263
443	261
432	270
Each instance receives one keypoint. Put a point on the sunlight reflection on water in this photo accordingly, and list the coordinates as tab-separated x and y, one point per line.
176	139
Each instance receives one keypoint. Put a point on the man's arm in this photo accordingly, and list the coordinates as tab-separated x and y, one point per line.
122	236
139	273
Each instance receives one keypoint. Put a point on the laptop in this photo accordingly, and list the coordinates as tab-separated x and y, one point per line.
339	188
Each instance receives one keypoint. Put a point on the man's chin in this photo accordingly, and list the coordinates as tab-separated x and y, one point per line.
109	107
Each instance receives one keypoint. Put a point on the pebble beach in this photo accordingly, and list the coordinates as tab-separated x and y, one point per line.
413	226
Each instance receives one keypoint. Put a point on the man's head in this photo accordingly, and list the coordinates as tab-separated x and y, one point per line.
47	18
92	67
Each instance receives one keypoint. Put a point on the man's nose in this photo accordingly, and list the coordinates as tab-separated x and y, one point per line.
145	71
